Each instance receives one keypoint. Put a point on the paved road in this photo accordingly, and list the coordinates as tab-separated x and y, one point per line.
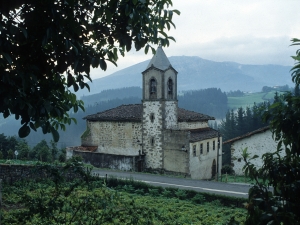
229	189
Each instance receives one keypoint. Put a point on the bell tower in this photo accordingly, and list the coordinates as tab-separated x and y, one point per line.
159	106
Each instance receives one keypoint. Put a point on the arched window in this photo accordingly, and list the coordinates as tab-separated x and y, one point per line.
153	88
170	86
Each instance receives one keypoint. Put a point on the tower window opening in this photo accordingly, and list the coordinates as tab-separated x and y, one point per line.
194	150
152	86
170	86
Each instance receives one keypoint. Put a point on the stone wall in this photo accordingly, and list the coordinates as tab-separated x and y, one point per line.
103	160
152	133
14	173
117	137
170	114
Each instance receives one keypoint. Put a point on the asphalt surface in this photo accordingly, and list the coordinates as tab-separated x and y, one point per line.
229	189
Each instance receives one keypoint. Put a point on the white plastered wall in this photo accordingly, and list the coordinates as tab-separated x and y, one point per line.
201	164
192	125
257	144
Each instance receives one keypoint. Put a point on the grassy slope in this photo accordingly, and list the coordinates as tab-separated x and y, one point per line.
249	99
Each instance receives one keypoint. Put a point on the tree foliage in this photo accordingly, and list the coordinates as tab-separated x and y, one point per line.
281	168
47	47
210	101
242	121
41	151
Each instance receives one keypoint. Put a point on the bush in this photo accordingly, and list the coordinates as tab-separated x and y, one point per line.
198	198
227	169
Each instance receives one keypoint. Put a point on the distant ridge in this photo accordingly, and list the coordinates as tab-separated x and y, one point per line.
195	73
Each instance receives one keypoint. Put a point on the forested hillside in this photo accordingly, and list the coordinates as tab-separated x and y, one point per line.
210	101
110	94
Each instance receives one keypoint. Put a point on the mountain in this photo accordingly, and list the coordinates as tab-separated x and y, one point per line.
195	73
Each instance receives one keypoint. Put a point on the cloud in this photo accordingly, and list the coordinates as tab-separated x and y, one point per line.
248	32
242	49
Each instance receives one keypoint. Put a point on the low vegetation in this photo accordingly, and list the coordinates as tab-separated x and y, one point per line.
92	200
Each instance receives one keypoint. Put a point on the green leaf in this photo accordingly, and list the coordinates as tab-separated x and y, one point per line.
55	134
87	86
7	57
32	126
74	120
173	39
13	30
103	65
146	49
74	48
24	131
95	62
127	10
176	11
75	86
163	33
24	31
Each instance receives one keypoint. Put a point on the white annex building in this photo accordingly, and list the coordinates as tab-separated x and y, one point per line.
257	142
154	136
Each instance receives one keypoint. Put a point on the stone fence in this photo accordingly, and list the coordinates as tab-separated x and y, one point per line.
13	173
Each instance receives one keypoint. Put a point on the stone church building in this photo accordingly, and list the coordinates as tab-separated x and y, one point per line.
155	135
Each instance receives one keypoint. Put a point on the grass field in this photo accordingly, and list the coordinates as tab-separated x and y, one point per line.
249	99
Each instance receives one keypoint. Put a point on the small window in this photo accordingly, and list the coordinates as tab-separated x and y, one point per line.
214	145
194	150
152	117
170	87
239	159
207	146
152	141
201	148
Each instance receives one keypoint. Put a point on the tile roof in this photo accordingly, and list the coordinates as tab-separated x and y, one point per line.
134	112
84	148
260	130
202	134
187	116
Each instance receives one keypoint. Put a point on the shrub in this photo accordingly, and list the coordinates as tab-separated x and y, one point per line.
227	169
181	194
198	198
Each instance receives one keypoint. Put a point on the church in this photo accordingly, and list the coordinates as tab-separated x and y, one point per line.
154	136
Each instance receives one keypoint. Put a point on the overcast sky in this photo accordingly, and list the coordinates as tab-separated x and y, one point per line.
243	31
